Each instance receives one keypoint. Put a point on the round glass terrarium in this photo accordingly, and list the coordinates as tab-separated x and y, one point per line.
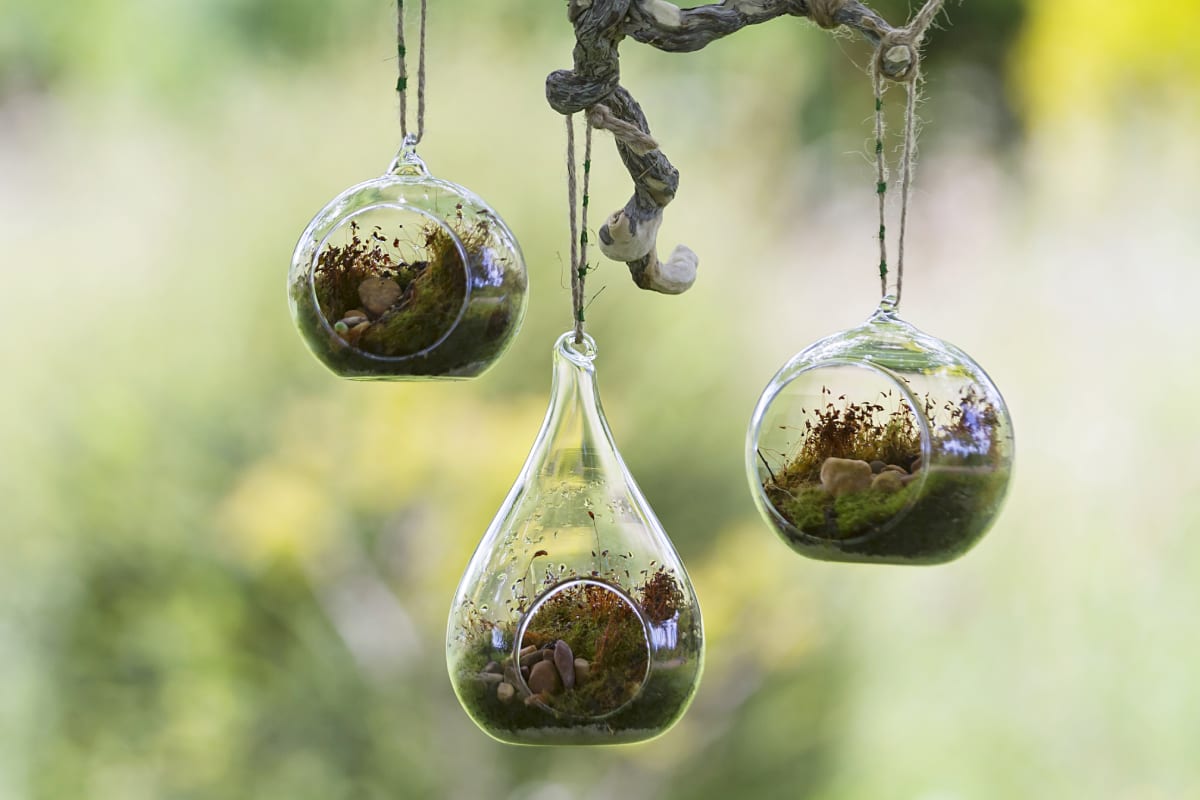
880	444
407	277
575	622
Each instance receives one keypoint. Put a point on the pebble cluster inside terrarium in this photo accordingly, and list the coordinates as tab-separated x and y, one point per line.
571	663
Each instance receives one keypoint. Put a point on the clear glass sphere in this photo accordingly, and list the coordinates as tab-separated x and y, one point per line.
407	277
880	444
575	622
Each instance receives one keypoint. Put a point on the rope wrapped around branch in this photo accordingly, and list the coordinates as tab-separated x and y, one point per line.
630	234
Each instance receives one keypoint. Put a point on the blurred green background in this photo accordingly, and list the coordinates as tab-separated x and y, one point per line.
225	574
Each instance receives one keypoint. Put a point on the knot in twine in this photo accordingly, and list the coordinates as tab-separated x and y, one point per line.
601	116
823	12
898	56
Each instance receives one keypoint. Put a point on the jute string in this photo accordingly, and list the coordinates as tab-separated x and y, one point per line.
402	79
897	46
579	228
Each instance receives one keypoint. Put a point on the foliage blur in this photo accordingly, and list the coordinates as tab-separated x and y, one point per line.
226	573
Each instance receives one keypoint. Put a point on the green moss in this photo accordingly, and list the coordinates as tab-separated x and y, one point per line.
807	508
951	513
404	339
664	697
600	626
858	512
628	694
432	298
928	521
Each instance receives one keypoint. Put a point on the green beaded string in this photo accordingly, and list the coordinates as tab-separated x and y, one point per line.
402	78
579	234
881	179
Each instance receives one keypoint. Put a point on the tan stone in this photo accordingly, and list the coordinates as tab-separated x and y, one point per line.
544	678
888	481
355	333
841	476
564	661
379	294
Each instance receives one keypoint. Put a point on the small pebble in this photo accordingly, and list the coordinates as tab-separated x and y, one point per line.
894	468
888	481
564	661
379	294
490	677
492	666
355	319
544	678
341	328
505	692
877	466
531	658
582	670
841	476
357	331
525	673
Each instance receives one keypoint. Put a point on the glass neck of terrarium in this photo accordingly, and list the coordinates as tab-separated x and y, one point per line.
574	441
407	163
889	304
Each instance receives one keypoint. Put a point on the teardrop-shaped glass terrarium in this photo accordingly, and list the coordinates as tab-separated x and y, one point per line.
880	444
407	277
575	622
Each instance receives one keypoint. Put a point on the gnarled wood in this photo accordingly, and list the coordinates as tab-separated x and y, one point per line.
630	234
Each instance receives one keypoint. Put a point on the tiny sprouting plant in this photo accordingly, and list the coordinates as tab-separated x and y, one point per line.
864	431
661	596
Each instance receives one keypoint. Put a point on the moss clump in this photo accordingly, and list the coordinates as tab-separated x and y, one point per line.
938	512
664	697
600	626
421	326
431	289
623	694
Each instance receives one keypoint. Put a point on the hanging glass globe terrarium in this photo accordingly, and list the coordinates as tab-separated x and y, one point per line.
575	622
880	444
407	276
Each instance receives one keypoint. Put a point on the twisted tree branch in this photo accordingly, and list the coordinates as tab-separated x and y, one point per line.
630	234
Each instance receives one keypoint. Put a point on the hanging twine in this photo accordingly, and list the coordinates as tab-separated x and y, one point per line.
402	79
900	47
579	230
